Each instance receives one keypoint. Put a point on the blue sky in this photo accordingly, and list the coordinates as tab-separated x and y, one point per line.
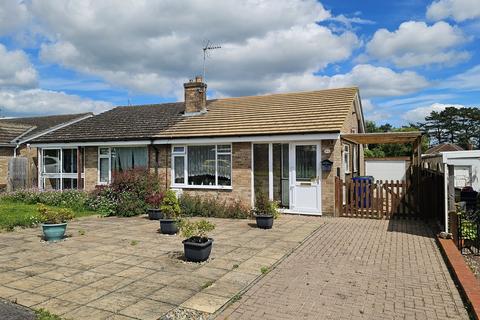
407	57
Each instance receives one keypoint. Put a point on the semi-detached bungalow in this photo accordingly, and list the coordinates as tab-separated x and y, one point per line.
288	146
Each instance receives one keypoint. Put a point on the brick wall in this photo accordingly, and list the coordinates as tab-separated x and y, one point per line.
5	154
241	173
91	167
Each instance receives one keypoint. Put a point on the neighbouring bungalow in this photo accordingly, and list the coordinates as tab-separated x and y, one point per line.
288	146
16	134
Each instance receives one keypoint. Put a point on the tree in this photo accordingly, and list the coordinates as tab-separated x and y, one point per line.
455	125
391	150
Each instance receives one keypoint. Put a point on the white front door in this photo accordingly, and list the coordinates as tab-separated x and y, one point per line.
305	182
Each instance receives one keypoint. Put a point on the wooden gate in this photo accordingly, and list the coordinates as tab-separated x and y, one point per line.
422	195
378	200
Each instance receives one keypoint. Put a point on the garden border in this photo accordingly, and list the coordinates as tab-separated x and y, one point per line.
466	281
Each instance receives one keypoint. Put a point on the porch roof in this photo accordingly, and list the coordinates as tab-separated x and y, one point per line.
382	137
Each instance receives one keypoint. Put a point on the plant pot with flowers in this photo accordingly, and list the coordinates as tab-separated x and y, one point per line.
54	222
265	211
170	209
154	201
197	245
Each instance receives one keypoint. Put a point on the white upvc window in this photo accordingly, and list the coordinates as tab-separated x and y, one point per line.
58	168
355	158
202	166
104	165
118	159
346	158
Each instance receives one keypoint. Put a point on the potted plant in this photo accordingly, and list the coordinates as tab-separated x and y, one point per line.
197	245
170	209
54	222
265	211
154	201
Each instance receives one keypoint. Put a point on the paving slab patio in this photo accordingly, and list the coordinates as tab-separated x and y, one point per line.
356	269
122	268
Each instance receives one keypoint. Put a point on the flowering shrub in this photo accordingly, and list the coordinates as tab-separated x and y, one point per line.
103	200
75	199
196	206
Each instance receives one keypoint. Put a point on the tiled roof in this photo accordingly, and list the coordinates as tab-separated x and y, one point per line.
443	147
13	128
304	112
10	131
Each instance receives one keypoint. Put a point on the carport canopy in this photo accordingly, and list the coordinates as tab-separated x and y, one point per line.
414	137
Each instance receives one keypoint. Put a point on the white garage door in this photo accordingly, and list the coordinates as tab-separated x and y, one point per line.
386	169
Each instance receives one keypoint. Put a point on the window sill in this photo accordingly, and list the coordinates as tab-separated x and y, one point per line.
183	186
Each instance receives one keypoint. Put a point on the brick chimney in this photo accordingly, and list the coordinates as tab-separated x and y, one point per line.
195	96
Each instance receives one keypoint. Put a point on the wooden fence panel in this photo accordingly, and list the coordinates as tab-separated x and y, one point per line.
18	173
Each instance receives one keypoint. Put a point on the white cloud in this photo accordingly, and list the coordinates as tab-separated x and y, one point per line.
43	102
13	15
459	10
419	114
415	44
468	80
262	41
16	70
19	93
373	81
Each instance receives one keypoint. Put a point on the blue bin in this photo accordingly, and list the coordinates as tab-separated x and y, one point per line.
368	180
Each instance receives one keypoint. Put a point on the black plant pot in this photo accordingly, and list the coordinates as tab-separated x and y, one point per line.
154	214
168	226
197	249
264	221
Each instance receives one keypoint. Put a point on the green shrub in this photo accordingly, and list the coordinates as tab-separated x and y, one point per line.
170	207
129	205
74	199
196	206
49	215
140	182
265	206
103	200
197	229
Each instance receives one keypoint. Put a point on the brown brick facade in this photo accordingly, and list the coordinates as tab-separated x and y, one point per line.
91	167
241	172
5	154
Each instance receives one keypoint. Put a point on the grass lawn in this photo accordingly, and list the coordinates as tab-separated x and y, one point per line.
13	214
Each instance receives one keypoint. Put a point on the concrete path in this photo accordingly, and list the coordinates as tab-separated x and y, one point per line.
357	269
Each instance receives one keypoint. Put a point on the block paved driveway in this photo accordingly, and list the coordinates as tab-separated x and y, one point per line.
357	269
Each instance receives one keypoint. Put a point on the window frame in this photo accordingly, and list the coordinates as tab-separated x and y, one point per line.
57	175
104	156
346	162
184	154
355	158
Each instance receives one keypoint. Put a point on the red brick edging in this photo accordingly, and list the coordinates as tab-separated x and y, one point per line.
465	278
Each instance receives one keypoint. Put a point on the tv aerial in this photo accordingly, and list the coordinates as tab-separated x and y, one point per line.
209	46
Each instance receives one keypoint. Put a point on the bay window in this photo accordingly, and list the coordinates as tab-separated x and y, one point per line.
202	166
